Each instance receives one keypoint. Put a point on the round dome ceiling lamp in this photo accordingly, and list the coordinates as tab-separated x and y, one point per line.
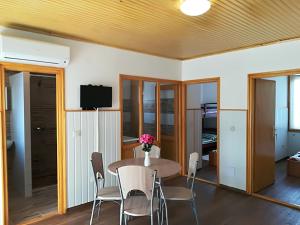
195	7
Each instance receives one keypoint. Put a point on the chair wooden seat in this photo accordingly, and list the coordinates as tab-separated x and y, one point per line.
139	206
177	193
109	193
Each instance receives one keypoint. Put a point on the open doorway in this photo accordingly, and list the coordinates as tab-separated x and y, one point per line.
31	137
201	126
275	116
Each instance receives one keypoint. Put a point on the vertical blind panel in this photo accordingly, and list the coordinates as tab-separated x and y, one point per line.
82	133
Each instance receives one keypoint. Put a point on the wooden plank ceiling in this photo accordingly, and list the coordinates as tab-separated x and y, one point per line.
157	26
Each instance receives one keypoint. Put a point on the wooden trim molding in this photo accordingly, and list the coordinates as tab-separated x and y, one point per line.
241	110
100	110
61	132
206	181
290	72
183	128
203	80
276	201
196	56
3	151
158	107
144	78
61	143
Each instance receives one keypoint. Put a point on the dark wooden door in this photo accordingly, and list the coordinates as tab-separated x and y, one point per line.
264	138
43	130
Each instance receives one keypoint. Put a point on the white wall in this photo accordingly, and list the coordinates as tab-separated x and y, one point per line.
98	64
20	121
198	94
233	69
232	142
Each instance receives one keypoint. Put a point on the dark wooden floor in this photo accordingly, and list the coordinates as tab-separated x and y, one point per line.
42	202
285	188
216	206
207	172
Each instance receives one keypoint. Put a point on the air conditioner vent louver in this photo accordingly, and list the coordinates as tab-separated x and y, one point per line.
31	60
13	49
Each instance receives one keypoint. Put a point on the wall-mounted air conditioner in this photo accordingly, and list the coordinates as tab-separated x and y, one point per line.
19	50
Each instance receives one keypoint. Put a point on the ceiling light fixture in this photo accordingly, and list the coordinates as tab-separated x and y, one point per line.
195	7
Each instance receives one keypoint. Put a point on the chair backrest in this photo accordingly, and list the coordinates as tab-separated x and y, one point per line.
139	153
193	161
97	164
136	178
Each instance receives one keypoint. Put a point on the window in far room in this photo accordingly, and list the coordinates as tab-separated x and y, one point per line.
294	103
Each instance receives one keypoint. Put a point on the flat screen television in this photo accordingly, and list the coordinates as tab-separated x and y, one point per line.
93	97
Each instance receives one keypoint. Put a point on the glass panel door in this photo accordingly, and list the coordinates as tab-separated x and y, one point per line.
149	108
168	121
130	111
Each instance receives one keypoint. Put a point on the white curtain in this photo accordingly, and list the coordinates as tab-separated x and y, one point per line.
295	102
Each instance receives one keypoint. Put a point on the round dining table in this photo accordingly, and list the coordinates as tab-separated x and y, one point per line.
164	167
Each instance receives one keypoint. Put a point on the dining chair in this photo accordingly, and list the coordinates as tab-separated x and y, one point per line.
137	178
102	194
139	153
170	193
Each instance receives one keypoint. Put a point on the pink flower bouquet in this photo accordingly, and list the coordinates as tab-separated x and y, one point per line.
147	140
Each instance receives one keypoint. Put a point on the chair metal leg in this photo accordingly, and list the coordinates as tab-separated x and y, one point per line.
162	216
92	216
99	205
151	219
166	212
126	219
195	211
121	215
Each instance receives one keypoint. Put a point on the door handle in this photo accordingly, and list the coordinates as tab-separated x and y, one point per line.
39	129
274	132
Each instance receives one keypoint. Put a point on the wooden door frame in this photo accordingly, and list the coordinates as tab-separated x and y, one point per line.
183	122
61	133
250	130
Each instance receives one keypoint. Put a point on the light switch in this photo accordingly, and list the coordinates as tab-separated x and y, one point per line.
229	171
232	128
77	133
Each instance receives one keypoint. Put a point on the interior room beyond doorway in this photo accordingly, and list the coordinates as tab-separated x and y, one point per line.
276	145
31	145
202	127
